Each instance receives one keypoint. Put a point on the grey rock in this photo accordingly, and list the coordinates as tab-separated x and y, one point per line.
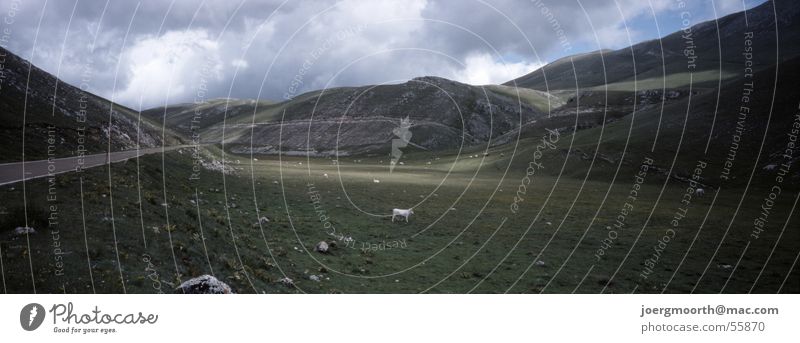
322	247
205	284
23	230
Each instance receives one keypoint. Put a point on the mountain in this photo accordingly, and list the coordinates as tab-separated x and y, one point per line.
448	115
190	118
714	48
443	114
61	120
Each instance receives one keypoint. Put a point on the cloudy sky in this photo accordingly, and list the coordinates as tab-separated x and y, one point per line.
155	52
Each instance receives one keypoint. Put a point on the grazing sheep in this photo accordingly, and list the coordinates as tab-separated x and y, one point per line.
699	192
263	220
402	213
325	175
376	180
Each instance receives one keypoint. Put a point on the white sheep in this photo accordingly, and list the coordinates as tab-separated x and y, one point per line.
374	180
402	213
699	192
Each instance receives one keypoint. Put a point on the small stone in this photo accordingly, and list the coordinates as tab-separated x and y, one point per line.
24	230
286	281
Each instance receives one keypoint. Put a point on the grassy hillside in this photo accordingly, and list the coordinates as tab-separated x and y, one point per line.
207	227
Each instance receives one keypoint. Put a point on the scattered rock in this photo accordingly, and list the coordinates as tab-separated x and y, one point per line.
313	277
205	284
263	220
322	247
286	281
23	230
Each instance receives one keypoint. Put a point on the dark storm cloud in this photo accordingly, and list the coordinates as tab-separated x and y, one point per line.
154	52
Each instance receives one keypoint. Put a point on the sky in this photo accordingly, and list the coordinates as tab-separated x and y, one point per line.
158	52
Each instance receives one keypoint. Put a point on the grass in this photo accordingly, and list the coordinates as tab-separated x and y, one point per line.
539	100
675	80
561	222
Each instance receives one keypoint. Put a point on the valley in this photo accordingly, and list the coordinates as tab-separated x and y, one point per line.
612	171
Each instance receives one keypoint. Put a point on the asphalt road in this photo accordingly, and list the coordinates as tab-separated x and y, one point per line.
13	172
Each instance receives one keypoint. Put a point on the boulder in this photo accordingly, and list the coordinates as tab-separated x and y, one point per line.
322	247
205	284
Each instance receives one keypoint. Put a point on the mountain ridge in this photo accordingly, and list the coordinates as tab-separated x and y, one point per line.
61	120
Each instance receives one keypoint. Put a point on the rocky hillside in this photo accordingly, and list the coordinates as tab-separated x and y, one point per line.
443	114
63	117
190	118
701	60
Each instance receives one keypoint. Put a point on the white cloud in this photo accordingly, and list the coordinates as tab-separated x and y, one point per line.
270	49
172	66
239	63
482	69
